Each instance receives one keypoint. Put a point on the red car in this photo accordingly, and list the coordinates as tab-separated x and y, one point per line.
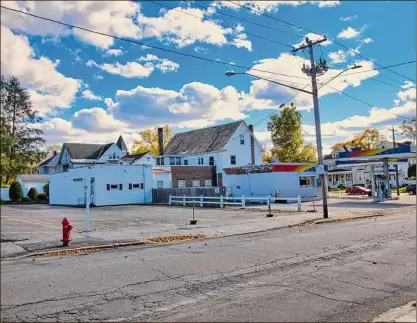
358	190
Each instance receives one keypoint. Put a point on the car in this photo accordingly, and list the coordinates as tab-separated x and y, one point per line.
411	189
358	190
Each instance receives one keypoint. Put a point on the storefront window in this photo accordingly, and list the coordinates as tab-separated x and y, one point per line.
306	181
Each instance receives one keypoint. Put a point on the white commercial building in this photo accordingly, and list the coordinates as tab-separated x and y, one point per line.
109	185
35	181
290	180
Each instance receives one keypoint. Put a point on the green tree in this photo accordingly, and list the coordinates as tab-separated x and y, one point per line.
46	189
33	193
286	135
148	140
15	192
21	144
367	140
408	129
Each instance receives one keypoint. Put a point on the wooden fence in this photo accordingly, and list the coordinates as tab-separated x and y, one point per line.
161	195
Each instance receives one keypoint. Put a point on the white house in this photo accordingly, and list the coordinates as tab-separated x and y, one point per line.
29	181
109	185
145	158
206	152
50	165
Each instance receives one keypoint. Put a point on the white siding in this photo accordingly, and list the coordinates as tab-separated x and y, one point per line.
65	157
262	184
166	179
147	159
114	149
65	191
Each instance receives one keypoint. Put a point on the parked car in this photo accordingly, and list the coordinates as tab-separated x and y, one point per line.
358	190
411	189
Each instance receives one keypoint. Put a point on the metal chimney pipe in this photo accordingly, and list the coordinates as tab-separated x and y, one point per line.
252	144
161	141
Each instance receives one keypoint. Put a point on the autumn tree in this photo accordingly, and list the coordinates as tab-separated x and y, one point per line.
408	129
367	140
287	139
148	140
21	141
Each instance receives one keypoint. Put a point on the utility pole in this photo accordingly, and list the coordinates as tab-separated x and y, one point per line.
313	71
397	181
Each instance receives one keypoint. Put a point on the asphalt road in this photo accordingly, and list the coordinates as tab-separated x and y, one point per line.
348	271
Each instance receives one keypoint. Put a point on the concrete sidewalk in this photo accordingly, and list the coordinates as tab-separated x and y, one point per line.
406	313
29	232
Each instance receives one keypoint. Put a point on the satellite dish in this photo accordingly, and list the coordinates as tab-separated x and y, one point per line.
274	160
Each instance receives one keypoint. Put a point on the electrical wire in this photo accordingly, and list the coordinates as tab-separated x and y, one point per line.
314	32
225	26
145	44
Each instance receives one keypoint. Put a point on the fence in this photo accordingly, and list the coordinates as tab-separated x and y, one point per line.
161	195
222	201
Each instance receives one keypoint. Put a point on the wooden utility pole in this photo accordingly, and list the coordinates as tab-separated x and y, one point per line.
397	181
313	70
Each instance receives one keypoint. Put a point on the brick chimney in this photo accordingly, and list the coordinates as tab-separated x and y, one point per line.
161	141
252	144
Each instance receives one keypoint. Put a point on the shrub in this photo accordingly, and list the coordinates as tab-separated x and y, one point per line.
15	192
46	189
33	193
25	198
42	197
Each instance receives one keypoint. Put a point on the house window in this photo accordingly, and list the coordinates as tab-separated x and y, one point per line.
160	161
171	160
185	161
233	160
348	177
306	181
160	184
242	139
181	183
113	187
211	161
177	160
207	183
201	160
114	155
77	179
196	183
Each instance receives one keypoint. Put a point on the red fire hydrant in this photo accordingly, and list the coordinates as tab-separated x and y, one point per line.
66	231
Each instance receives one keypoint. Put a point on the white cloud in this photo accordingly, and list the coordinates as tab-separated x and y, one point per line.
348	33
313	37
241	41
195	103
96	120
326	4
338	57
409	94
49	89
163	64
348	18
129	70
114	52
408	84
367	40
105	16
89	95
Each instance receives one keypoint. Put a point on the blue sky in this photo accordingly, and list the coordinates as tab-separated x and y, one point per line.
90	88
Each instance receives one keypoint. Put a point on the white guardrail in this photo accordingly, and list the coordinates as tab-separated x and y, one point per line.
222	201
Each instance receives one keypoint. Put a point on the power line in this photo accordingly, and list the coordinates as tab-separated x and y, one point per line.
309	30
148	45
381	68
249	21
225	26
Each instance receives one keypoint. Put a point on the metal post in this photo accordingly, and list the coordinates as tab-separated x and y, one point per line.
201	200
184	201
299	203
87	204
169	201
386	176
269	215
373	180
221	201
243	201
397	181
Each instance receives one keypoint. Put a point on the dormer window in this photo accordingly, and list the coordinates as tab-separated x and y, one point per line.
242	139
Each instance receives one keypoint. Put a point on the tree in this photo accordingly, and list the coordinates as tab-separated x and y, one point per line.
51	148
148	140
289	145
33	193
367	140
46	189
408	129
267	157
15	192
21	144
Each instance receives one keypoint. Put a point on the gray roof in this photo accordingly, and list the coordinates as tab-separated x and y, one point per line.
49	161
34	178
121	144
85	151
201	140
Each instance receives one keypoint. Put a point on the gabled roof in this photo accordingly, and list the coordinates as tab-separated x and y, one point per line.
34	178
134	157
201	140
121	144
51	161
84	151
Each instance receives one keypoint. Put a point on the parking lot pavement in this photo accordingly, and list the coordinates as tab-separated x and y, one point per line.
37	227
